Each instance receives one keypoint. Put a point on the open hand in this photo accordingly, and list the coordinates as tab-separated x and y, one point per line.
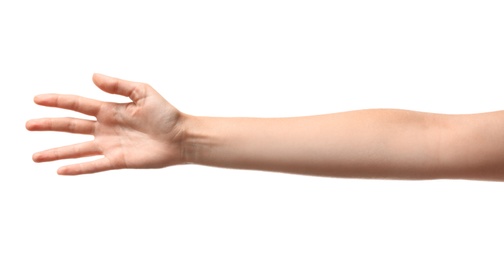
144	133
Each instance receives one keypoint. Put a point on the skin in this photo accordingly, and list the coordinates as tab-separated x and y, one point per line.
149	132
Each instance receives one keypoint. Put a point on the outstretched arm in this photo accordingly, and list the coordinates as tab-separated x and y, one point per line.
379	143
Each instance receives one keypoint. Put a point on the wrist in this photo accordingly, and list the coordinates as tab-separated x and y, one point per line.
194	139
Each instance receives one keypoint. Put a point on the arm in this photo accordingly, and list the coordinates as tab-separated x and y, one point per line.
382	143
385	143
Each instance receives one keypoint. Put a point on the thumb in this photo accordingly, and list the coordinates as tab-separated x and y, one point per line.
111	85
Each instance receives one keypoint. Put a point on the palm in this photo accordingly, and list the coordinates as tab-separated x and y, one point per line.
140	134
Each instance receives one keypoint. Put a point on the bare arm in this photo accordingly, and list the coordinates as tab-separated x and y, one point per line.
382	143
379	143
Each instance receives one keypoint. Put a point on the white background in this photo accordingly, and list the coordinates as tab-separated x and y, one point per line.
246	58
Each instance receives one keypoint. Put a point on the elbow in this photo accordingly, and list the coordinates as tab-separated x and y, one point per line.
469	147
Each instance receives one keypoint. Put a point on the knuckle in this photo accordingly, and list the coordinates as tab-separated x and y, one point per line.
71	126
49	124
76	149
56	154
76	101
138	91
57	100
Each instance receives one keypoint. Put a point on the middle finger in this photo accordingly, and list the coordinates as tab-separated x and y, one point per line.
67	124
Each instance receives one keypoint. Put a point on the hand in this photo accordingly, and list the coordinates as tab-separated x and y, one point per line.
145	133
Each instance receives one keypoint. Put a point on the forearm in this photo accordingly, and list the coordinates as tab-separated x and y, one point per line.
369	143
396	144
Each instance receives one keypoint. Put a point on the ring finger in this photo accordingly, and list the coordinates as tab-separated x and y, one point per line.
67	152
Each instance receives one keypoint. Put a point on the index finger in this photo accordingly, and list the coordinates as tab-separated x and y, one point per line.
71	102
